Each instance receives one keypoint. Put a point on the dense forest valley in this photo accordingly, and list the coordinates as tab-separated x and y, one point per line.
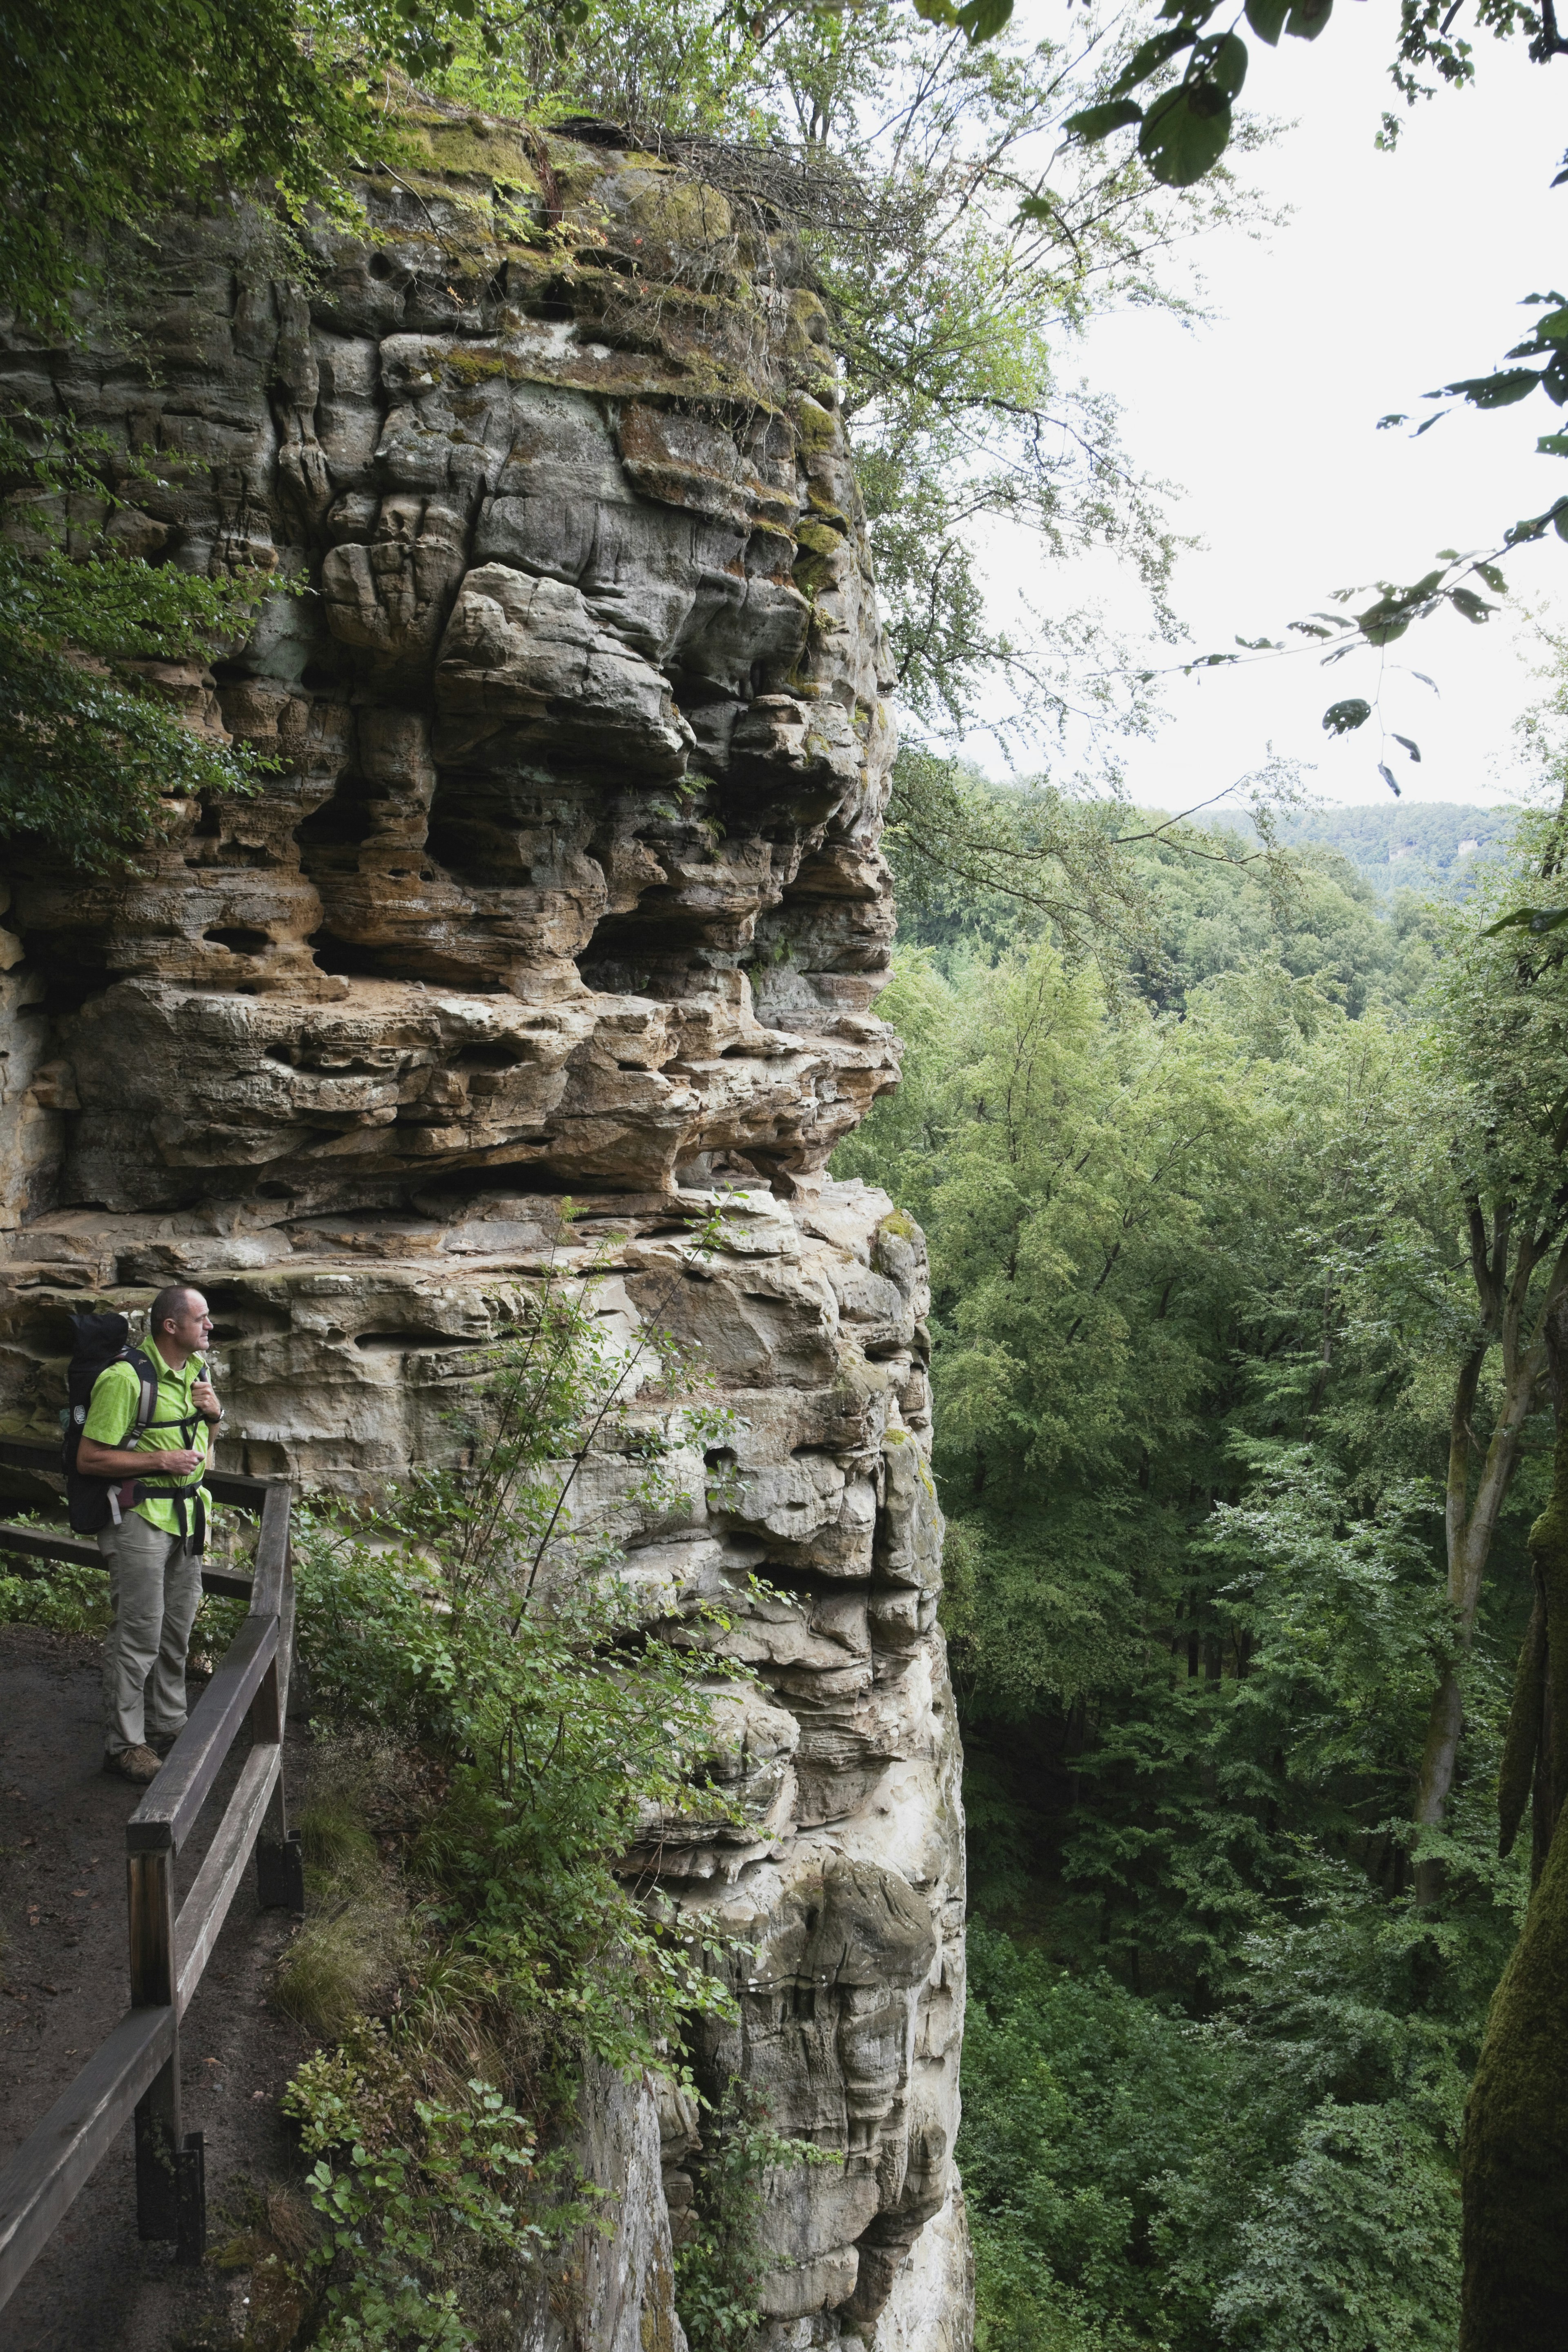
1238	1139
1202	1210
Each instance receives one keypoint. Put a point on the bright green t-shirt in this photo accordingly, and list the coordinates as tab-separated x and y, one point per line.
111	1415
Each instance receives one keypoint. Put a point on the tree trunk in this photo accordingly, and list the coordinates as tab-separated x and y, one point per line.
1514	2161
1470	1526
1470	1519
1514	2167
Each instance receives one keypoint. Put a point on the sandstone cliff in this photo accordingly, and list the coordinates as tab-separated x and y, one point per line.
566	880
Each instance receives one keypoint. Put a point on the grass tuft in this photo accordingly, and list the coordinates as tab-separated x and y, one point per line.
355	1942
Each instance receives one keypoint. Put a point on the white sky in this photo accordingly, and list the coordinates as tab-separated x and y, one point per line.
1395	274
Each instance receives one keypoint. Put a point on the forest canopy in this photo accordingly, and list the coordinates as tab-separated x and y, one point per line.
1202	1204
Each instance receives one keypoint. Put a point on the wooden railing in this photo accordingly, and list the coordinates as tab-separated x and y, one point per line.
137	2070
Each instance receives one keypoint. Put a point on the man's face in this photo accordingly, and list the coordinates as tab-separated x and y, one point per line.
191	1329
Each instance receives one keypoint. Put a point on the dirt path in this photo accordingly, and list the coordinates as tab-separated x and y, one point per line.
63	1984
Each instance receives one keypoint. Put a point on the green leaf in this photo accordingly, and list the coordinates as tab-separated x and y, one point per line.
1387	775
1150	56
1493	578
1474	607
1266	18
1414	749
1499	391
1382	621
1227	67
1339	717
1553	445
1185	134
1531	919
984	19
1308	17
1093	123
1554	328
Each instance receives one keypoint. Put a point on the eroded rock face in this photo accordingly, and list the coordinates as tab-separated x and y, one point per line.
567	878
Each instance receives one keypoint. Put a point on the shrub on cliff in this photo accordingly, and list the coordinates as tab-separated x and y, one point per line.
514	1726
94	756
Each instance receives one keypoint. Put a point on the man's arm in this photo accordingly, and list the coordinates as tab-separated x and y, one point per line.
95	1461
203	1396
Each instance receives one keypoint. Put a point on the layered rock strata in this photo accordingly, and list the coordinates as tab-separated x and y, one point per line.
564	878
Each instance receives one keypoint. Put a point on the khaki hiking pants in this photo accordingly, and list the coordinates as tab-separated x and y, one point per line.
155	1585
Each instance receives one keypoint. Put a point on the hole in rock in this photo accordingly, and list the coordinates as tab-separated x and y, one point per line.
484	1055
233	852
524	1178
48	1333
353	960
344	957
475	839
74	968
238	1314
800	2004
238	938
627	952
386	1343
345	820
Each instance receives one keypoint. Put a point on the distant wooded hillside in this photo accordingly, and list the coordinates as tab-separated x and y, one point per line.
1415	846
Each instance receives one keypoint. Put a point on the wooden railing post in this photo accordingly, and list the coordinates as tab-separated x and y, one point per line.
280	1864
171	2200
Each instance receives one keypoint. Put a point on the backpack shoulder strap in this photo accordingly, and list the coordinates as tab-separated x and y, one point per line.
147	1402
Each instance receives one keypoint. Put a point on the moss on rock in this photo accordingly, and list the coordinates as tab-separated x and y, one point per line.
1515	2155
1515	2160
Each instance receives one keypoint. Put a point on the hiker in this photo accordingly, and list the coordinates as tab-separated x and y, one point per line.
154	1538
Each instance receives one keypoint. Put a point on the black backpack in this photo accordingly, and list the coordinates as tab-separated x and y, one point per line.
99	1342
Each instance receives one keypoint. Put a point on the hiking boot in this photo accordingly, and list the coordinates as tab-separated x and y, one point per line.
138	1764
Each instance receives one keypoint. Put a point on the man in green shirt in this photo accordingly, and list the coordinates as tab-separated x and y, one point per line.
155	1550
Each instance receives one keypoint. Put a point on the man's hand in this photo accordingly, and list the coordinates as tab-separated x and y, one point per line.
203	1396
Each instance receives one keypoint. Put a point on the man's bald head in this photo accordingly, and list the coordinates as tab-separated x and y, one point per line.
174	1304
